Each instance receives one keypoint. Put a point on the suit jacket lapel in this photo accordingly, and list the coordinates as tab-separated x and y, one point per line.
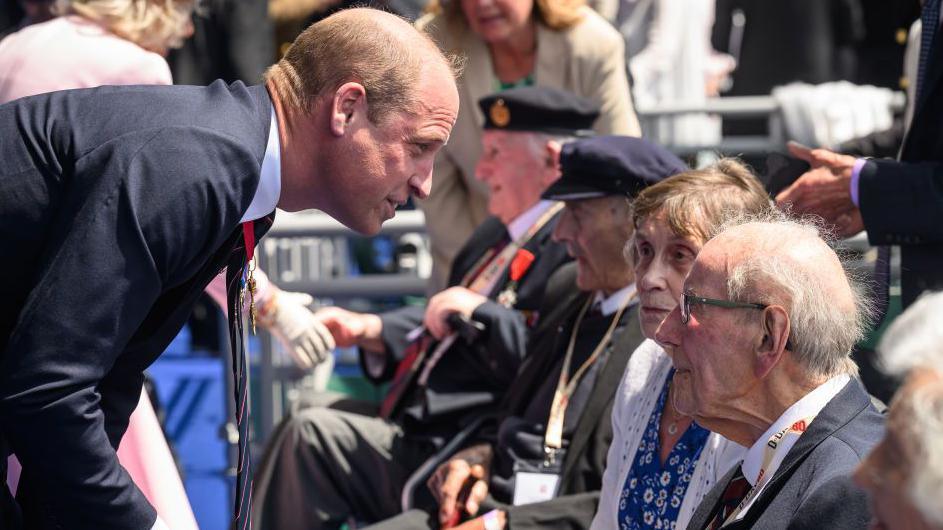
843	408
934	70
707	507
604	388
486	236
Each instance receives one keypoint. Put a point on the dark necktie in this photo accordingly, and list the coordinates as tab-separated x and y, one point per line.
234	280
735	491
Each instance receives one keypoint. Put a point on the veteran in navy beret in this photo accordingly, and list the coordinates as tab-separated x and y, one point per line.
539	109
611	165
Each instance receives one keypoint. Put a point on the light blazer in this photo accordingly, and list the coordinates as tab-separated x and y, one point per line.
587	59
117	206
812	488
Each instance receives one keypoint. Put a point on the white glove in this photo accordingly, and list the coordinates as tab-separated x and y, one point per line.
307	340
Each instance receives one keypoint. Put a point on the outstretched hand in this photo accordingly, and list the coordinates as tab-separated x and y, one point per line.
824	190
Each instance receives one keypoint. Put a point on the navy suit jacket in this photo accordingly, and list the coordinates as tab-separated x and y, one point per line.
117	206
902	201
812	488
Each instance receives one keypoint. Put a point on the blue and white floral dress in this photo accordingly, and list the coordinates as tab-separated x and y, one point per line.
652	494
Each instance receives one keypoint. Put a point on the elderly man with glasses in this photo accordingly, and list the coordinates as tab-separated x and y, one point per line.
761	345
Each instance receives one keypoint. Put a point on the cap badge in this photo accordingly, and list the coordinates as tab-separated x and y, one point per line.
500	113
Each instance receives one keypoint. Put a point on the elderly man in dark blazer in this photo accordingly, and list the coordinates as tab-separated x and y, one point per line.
118	205
761	342
540	464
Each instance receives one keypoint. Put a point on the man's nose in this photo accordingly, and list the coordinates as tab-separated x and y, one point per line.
668	331
421	186
562	232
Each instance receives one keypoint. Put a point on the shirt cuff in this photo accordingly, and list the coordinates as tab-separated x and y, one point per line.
855	175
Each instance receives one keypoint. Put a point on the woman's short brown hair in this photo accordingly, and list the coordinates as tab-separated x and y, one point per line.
555	14
695	203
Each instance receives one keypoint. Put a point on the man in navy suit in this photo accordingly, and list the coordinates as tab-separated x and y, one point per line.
899	202
761	342
119	204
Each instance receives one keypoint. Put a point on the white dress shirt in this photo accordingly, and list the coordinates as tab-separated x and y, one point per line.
809	406
270	178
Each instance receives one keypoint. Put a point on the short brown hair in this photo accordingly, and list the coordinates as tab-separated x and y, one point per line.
555	14
696	203
381	51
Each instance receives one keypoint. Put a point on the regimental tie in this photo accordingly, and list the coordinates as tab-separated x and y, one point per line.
239	282
734	493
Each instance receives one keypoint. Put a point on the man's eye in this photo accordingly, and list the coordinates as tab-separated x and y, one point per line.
422	147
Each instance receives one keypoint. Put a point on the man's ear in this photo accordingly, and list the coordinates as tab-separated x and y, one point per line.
553	154
350	101
771	345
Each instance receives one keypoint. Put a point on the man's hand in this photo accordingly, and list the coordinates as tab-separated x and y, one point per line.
452	300
352	329
478	523
825	190
467	466
287	317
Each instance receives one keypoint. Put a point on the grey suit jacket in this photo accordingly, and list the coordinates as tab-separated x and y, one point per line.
812	489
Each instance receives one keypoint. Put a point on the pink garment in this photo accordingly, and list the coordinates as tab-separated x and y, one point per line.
146	456
73	52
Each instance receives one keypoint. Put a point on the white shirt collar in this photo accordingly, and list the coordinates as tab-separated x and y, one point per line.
518	227
610	304
270	177
810	405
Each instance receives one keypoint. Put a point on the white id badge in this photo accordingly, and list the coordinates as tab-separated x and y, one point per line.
532	487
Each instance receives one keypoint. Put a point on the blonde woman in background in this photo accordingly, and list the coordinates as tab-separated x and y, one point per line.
557	43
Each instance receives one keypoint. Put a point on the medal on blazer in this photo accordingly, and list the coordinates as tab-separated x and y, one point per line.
248	236
519	266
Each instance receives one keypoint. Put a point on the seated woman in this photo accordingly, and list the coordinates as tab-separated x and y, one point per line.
556	43
661	463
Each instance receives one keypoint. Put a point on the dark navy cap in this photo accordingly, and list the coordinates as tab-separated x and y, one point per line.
611	165
539	109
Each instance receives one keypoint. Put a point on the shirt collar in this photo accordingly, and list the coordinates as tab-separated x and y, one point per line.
810	405
610	304
270	177
518	227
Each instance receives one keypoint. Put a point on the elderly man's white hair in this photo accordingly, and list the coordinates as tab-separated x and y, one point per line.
790	263
915	341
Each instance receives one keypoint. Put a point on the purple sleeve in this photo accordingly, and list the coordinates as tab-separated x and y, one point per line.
855	175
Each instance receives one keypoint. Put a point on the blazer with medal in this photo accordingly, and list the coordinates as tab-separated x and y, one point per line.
585	459
117	206
812	488
470	377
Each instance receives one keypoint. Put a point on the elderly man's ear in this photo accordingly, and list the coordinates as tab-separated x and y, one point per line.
349	100
553	154
771	344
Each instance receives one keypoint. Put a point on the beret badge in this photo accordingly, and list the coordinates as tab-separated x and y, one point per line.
499	113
